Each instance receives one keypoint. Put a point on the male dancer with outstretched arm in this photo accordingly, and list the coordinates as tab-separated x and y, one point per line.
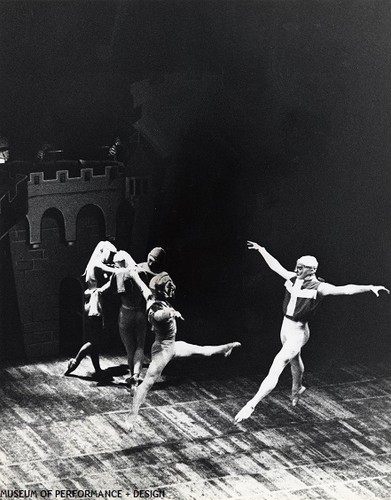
304	292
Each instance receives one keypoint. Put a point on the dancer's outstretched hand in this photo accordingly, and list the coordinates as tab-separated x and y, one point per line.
376	289
251	245
244	413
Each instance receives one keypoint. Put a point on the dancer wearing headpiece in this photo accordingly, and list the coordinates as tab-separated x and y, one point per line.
97	279
131	319
162	317
304	292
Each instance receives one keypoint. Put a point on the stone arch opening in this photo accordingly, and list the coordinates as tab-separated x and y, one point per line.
90	229
52	228
70	315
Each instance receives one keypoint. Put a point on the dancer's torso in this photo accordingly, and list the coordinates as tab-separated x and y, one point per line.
301	299
164	330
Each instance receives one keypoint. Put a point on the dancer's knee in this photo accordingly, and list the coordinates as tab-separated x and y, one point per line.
155	369
281	360
151	378
289	352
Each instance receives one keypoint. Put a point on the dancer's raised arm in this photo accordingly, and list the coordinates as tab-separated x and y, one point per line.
270	260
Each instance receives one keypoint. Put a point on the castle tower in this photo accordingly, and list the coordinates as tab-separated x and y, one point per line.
69	212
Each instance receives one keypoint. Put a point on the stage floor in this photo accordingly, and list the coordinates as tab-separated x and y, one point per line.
67	433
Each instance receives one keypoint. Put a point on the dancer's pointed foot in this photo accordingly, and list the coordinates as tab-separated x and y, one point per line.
229	348
244	413
296	395
72	365
130	421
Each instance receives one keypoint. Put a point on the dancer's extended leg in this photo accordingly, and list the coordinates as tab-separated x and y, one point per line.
185	350
288	351
138	358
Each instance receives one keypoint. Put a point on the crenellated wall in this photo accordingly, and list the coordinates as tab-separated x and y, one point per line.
70	194
50	247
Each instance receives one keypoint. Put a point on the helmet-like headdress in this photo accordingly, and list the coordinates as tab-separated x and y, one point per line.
158	284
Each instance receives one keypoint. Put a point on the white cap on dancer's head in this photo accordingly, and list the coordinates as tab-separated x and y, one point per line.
308	261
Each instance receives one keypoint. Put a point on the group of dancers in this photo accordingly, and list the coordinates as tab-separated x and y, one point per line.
146	292
116	270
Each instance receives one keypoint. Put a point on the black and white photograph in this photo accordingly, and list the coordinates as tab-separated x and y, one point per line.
195	249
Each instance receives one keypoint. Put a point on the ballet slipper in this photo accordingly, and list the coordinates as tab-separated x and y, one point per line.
230	347
72	365
244	413
296	395
130	422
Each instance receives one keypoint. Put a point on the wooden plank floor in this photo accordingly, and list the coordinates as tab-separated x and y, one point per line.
67	433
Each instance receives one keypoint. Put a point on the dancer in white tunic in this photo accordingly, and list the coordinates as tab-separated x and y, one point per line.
97	277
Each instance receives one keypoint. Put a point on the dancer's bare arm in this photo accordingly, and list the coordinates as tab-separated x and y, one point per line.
270	260
104	267
167	313
133	273
327	289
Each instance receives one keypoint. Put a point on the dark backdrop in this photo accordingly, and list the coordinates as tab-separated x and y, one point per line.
293	151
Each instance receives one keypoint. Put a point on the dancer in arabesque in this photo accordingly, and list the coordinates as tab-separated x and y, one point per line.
163	318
